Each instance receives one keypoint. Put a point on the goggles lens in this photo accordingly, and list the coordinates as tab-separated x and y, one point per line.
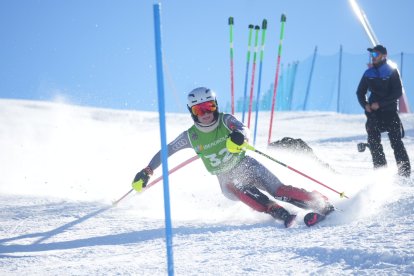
374	54
202	108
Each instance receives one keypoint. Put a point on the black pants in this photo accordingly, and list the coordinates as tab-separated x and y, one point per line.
387	121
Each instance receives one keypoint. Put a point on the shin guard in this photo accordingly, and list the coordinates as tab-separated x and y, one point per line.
252	197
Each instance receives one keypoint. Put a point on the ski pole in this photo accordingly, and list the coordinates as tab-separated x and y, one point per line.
158	179
264	26
114	203
231	23
282	31
249	147
247	71
257	28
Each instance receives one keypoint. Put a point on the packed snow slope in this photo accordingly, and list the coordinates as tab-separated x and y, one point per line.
63	165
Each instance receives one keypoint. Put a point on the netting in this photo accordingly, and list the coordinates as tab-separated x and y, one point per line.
328	83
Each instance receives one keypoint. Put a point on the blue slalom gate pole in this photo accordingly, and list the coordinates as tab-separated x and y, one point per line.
305	103
164	150
292	84
338	102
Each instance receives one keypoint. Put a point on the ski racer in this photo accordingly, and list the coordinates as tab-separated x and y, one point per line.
220	139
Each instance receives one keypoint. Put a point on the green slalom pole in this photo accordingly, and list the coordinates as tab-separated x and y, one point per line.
231	23
256	41
246	78
279	54
264	27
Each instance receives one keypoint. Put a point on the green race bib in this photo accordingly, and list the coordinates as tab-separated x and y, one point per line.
211	147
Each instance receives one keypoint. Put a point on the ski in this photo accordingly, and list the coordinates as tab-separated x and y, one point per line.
313	218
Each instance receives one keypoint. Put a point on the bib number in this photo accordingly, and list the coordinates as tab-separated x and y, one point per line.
217	159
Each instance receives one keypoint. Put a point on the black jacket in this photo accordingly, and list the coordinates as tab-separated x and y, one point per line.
384	83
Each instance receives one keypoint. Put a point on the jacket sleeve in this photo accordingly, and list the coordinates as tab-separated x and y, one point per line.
233	124
395	90
362	92
179	143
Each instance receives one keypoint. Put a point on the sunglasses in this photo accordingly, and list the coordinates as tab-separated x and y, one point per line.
203	108
374	54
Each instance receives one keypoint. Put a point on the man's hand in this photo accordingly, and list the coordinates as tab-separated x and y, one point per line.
375	106
368	108
141	179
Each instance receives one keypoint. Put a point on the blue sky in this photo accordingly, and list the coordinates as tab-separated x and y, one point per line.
101	53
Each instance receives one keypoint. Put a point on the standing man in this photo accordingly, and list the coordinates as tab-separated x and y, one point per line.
383	82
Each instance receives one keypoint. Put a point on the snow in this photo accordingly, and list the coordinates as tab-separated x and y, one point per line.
63	165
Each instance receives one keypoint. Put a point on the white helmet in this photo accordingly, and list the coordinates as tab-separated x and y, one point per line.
200	95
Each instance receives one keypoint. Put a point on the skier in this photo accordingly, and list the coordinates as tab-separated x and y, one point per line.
220	140
384	83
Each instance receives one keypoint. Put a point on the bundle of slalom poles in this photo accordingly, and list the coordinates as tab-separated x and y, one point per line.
249	104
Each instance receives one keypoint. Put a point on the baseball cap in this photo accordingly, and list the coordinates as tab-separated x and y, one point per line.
379	48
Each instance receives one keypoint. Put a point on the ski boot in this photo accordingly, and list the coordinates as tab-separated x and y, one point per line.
280	213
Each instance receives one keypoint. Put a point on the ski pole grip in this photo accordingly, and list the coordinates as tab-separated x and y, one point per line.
251	26
231	20
283	18
257	27
264	24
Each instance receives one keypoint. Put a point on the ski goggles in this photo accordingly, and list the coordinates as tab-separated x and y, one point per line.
374	54
203	108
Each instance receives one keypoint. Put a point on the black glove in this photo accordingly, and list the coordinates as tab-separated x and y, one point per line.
141	179
237	137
